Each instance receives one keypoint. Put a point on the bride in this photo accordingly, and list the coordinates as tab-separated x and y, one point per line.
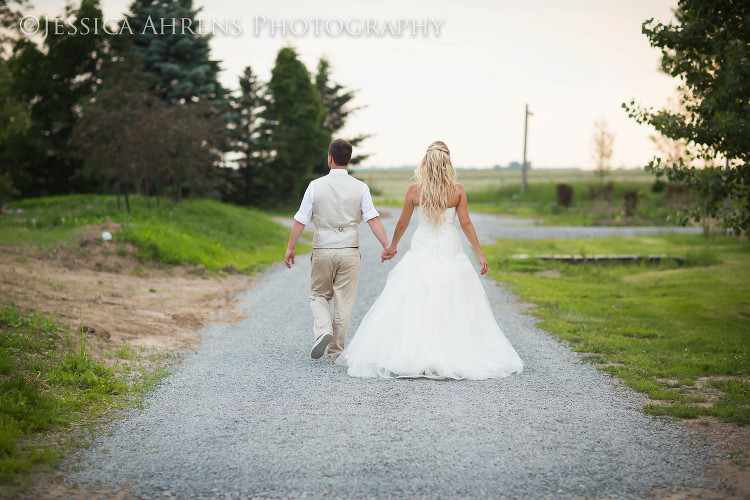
433	318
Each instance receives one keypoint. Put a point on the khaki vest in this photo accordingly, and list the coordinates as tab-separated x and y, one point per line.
337	211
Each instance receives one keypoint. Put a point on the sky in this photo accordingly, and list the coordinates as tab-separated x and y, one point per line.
466	83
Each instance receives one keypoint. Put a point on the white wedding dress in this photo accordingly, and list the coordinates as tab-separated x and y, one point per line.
433	318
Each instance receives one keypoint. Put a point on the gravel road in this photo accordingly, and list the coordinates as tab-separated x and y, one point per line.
250	414
492	227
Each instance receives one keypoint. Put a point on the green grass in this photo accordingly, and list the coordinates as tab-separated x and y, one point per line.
661	328
50	383
192	232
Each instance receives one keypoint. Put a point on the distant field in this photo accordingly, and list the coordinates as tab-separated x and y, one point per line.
392	185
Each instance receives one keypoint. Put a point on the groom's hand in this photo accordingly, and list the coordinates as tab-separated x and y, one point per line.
289	257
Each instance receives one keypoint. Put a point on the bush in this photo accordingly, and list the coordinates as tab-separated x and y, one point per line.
631	202
564	194
658	186
7	191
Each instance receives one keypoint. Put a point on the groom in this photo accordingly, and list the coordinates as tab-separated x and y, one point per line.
336	203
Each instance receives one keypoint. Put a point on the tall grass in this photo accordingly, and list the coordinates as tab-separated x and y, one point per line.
48	382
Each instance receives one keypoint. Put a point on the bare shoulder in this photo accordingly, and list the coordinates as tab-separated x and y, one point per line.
412	194
459	194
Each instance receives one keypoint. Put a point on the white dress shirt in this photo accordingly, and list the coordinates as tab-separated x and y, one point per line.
305	212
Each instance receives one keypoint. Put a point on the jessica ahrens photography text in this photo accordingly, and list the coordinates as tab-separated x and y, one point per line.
257	26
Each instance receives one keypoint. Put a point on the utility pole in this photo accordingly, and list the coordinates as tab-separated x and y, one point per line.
525	134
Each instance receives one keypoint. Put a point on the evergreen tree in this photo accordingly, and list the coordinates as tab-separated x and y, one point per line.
250	135
180	57
298	140
336	101
708	49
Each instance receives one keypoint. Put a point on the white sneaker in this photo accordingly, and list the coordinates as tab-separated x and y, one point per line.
319	347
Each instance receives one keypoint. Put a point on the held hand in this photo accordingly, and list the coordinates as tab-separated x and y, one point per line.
384	256
483	263
388	254
289	257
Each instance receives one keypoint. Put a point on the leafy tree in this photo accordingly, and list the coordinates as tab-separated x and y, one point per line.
11	13
14	121
52	80
602	141
298	140
115	129
195	137
132	141
675	151
708	49
179	56
336	101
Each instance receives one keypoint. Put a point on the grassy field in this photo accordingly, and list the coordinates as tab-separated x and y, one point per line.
391	185
192	232
499	191
51	389
680	334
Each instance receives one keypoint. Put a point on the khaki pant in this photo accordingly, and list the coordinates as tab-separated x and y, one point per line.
334	275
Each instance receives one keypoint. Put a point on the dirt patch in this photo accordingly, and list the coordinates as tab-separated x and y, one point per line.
701	389
527	307
115	296
733	470
102	287
55	488
549	273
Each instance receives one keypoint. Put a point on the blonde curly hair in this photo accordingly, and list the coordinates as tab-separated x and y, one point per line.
436	180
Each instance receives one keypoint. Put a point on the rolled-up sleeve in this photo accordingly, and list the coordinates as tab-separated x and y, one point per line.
368	207
305	212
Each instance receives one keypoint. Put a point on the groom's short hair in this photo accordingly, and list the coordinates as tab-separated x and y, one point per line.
341	152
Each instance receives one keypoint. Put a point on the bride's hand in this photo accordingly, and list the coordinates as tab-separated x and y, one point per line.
483	263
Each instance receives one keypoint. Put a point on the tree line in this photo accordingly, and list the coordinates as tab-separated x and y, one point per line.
145	113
